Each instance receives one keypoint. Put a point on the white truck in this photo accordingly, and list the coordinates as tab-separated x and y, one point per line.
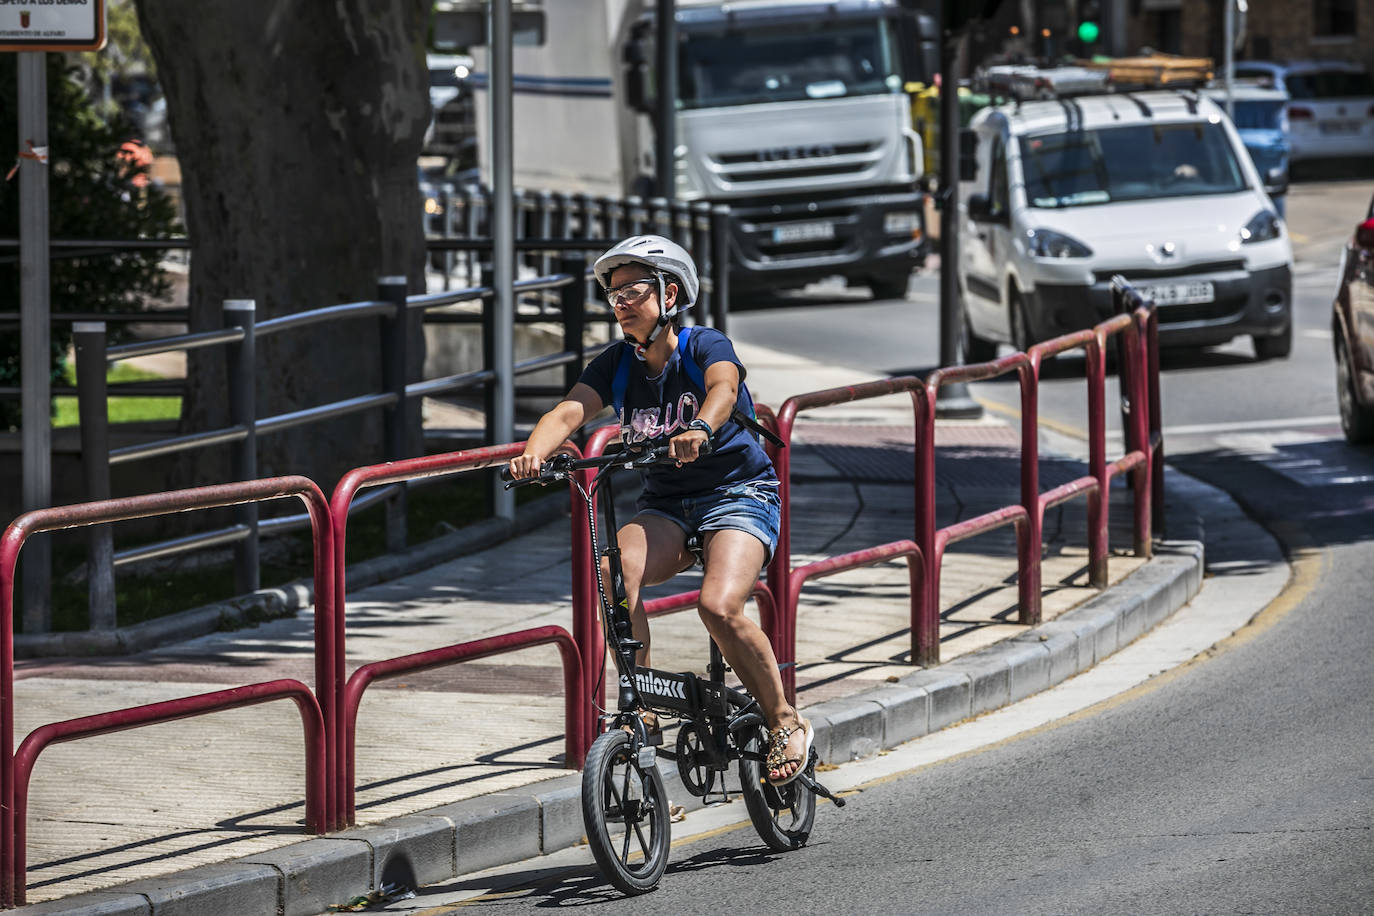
792	112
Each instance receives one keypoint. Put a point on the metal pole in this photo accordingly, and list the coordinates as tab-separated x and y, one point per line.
35	332
395	332
665	108
953	400
1228	55
502	234
720	266
93	409
243	411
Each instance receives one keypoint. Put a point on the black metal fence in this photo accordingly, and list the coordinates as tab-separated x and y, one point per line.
557	236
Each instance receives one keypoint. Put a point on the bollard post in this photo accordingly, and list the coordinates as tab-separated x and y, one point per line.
634	214
93	408
720	266
660	220
615	215
395	356
243	411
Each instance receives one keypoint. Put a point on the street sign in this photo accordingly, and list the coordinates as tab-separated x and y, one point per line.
52	25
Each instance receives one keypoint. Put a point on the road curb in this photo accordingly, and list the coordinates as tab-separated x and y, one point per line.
446	842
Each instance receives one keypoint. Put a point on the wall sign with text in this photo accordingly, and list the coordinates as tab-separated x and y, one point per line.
52	25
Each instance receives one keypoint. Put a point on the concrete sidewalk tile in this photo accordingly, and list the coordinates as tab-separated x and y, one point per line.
212	890
317	873
410	851
492	829
96	903
950	691
906	712
846	729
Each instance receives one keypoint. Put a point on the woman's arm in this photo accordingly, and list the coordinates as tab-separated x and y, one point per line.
722	389
580	404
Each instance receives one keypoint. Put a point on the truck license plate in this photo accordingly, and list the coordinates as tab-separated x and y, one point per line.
1340	127
1179	293
803	232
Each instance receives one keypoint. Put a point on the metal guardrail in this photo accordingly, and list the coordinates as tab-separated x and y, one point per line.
317	710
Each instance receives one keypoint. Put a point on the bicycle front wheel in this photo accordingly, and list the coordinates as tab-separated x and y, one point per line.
625	811
782	815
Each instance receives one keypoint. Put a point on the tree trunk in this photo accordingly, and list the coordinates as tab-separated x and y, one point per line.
297	125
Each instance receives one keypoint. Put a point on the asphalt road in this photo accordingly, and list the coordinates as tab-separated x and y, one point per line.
1242	782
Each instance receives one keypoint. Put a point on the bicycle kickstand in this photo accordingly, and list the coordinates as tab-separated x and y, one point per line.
810	782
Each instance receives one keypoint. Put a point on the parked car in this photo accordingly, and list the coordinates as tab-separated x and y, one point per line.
1155	186
1352	333
1330	108
1261	118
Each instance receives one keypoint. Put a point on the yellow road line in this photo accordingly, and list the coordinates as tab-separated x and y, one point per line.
1014	413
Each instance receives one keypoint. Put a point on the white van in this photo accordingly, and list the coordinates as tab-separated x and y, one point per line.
1155	186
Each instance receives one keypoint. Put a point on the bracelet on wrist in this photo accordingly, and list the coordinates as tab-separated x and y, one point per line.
703	426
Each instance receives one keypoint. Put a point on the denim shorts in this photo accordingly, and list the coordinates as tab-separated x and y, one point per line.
753	507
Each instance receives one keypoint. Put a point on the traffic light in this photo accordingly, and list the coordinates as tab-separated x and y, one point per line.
1089	21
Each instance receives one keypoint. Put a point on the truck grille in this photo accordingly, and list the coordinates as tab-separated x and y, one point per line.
816	160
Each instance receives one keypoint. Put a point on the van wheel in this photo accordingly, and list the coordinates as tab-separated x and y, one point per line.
1357	421
1275	347
976	349
1020	325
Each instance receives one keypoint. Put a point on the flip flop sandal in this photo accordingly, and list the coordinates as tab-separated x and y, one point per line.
777	751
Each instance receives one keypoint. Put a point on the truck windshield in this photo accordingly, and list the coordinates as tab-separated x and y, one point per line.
811	60
1141	162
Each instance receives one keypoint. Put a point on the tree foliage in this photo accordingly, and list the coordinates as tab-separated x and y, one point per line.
93	193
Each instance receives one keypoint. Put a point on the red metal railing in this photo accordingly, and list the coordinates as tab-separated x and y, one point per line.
786	582
345	720
574	703
14	770
925	552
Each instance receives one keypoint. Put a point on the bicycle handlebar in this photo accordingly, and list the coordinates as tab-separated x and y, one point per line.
560	466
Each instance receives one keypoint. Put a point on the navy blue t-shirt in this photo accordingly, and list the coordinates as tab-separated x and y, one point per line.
658	408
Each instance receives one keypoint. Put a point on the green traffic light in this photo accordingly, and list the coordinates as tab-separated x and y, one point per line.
1088	32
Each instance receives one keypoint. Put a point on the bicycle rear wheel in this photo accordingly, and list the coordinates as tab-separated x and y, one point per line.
782	815
625	811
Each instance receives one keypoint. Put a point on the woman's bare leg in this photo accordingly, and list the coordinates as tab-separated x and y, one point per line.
733	561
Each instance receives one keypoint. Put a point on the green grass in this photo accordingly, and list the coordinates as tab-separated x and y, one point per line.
122	408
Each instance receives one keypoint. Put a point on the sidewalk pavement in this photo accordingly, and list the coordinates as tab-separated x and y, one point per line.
460	768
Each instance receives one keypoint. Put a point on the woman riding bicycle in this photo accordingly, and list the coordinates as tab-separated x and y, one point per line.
727	497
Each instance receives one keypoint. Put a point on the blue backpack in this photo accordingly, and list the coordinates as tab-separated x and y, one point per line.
621	382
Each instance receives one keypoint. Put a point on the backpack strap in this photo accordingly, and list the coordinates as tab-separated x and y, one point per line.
621	380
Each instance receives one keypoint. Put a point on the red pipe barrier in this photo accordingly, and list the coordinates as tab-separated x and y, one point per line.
114	510
379	475
168	711
574	704
780	568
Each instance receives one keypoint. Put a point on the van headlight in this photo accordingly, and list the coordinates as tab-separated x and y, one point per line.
1262	227
1046	243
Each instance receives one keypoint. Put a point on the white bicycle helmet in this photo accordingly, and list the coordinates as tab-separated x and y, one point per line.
662	256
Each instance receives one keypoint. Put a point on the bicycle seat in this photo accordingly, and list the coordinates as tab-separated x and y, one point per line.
694	546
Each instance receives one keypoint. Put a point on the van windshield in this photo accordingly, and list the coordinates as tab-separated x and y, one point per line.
1140	162
810	60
